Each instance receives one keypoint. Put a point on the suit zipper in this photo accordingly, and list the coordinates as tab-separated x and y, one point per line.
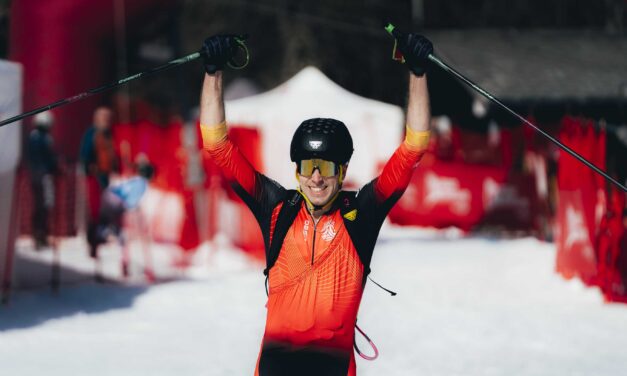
313	243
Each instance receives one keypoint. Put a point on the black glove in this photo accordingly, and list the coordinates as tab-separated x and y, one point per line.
416	50
217	51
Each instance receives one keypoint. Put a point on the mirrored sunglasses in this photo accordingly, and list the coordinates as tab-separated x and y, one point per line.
326	168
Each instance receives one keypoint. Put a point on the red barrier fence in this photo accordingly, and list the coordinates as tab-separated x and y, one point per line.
590	225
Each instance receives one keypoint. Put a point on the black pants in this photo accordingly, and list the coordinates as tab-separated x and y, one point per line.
278	360
40	212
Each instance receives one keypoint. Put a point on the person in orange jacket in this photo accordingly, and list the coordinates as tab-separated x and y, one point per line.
318	256
99	160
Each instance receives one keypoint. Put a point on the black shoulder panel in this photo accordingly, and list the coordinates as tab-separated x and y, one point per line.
363	217
287	214
268	194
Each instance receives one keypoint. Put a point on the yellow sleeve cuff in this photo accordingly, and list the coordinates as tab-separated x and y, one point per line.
213	134
416	139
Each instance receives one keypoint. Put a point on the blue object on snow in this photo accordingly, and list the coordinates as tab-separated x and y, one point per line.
130	191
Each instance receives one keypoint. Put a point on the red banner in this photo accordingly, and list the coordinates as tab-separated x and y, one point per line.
575	256
581	200
453	193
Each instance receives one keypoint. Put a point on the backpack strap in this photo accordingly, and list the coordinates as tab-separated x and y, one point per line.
359	232
285	218
353	223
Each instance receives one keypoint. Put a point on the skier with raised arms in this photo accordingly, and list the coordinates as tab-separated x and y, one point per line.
319	239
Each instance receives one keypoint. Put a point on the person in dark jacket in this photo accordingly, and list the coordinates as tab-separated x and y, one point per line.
42	163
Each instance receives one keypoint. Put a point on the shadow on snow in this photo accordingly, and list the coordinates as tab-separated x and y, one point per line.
78	293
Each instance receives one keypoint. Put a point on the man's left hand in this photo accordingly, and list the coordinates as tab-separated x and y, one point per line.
416	50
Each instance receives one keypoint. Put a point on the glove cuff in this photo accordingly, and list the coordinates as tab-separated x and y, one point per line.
418	71
211	69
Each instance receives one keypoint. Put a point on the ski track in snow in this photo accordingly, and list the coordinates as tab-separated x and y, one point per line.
465	306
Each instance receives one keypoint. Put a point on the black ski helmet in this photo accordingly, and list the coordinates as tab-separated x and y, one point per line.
322	138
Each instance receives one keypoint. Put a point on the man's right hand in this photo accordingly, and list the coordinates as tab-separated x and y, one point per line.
217	51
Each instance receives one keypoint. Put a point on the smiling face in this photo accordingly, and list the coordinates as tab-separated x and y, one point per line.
318	189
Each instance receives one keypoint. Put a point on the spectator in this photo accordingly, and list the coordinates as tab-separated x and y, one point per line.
99	160
117	199
42	163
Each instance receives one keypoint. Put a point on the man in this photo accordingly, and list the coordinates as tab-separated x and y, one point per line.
97	152
118	199
319	239
42	163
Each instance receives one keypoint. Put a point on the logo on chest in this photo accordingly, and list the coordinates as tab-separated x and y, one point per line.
328	230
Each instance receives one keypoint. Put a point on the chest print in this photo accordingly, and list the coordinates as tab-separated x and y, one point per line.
305	228
328	230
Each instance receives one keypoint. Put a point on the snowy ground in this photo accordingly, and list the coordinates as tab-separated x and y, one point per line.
465	306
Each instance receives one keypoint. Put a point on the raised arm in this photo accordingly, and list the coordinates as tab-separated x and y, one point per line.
212	101
216	51
397	173
235	167
416	50
258	192
418	110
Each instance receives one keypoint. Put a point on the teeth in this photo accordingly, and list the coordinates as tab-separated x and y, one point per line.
317	189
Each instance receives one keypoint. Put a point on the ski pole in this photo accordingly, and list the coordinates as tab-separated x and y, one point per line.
397	35
89	93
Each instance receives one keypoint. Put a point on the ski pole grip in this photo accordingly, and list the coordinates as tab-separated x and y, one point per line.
393	31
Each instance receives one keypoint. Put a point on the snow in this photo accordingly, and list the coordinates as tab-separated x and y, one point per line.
465	306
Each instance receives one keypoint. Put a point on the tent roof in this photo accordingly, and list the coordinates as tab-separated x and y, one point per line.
240	88
312	85
540	64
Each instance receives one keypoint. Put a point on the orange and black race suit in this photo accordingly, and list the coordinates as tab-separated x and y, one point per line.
317	281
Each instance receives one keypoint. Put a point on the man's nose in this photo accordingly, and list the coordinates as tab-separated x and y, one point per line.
316	177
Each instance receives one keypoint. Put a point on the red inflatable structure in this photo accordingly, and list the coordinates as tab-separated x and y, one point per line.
66	47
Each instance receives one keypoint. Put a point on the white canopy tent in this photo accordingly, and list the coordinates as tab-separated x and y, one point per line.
376	127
